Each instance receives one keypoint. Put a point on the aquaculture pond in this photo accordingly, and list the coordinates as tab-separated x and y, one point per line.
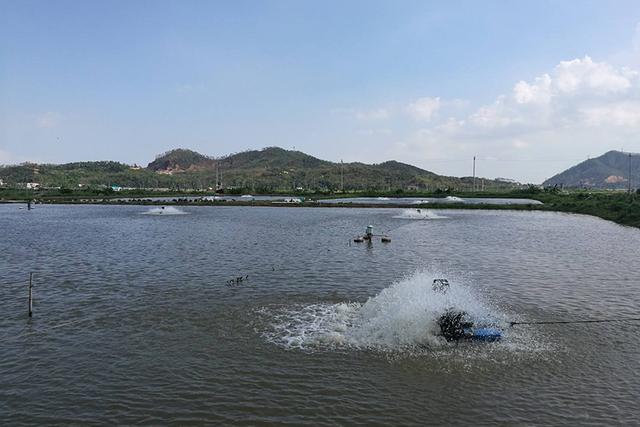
263	315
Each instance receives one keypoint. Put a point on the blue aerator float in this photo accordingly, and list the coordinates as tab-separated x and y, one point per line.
456	326
486	334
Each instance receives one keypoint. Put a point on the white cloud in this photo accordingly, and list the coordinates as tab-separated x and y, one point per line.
538	92
584	75
577	93
423	109
625	114
47	120
492	116
581	107
364	115
374	132
375	114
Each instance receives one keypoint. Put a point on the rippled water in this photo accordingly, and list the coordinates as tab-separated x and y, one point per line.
136	320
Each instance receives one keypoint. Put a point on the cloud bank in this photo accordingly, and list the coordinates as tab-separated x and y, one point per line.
582	107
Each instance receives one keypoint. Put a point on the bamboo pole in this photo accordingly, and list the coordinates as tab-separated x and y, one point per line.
30	294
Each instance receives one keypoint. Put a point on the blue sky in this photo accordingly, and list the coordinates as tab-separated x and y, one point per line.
530	88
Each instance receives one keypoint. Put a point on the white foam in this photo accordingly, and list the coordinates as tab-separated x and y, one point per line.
454	199
164	211
418	214
402	316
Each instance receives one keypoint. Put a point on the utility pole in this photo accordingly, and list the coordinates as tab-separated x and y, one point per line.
474	173
629	176
217	175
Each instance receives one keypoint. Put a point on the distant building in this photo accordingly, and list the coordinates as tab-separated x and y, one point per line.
33	185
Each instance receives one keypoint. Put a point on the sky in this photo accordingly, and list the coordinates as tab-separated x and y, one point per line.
528	88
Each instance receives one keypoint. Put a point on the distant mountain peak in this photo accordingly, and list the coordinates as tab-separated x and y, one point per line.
179	160
610	170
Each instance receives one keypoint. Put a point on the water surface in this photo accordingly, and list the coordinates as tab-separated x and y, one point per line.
135	322
425	200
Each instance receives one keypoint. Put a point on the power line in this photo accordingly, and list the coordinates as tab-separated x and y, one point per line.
563	322
492	159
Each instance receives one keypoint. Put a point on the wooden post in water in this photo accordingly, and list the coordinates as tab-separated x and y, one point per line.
30	294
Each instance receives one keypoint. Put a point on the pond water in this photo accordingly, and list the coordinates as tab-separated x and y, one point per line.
425	200
141	317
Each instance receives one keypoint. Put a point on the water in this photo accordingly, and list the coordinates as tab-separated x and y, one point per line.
135	323
425	200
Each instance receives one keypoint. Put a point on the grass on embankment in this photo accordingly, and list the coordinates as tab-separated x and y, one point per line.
622	208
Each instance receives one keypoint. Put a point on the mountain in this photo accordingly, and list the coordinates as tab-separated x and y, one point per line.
611	170
267	170
180	160
275	168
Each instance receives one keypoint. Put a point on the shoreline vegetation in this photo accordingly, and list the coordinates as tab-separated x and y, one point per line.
617	206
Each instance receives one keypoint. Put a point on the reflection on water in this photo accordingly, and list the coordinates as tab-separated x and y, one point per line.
134	321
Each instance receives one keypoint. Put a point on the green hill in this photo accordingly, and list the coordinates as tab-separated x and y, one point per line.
277	169
611	170
180	160
271	169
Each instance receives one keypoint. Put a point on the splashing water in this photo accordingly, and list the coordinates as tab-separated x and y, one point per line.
402	316
168	210
419	214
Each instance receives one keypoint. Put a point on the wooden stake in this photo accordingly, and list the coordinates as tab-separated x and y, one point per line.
30	294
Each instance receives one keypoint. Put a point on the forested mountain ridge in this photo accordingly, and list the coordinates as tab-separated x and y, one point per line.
269	169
